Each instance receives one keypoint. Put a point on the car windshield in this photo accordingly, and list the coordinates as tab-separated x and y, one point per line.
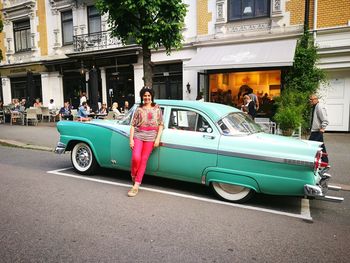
238	123
126	120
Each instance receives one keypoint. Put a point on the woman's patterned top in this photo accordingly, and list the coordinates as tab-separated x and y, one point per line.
146	123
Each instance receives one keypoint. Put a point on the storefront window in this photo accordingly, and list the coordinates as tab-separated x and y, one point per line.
20	88
229	89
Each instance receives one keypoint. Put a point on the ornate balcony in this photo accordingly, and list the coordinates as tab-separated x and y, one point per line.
96	41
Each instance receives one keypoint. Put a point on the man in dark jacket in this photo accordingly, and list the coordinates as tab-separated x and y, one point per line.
319	122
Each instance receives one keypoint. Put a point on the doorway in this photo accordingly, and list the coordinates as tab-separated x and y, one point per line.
73	84
167	81
120	86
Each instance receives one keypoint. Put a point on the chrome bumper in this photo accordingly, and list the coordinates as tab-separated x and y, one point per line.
319	191
60	148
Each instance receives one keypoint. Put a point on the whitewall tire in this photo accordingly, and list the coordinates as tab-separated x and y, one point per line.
83	159
231	192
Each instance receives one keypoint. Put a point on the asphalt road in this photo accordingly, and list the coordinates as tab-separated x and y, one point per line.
48	217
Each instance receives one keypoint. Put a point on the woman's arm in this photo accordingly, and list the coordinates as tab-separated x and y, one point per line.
159	134
132	130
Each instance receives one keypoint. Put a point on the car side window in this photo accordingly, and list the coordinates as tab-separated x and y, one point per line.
187	120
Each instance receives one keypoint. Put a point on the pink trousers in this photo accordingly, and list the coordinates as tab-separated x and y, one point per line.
140	154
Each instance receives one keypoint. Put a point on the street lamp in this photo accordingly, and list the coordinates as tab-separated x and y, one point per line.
188	86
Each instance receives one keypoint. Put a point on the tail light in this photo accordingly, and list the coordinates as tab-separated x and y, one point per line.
318	160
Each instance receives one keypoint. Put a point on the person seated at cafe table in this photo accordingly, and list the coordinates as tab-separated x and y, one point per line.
115	108
103	109
66	112
23	104
83	113
15	105
126	107
37	103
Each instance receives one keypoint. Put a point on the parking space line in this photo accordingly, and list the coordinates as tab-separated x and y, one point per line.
305	208
305	211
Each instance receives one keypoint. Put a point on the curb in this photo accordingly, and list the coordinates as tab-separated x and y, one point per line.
25	145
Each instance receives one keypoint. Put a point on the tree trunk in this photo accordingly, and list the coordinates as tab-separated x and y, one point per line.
147	66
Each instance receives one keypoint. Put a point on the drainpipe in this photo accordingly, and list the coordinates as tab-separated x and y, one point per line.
306	15
315	19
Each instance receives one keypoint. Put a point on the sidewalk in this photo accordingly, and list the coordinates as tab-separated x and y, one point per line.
42	137
45	137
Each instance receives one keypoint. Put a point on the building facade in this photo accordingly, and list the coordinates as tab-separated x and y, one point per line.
57	49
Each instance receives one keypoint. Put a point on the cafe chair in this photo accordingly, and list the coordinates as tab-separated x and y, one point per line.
32	116
16	117
74	114
45	113
2	116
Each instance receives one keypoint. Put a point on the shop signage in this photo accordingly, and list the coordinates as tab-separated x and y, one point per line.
22	70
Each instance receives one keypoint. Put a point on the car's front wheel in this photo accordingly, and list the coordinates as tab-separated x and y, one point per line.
231	192
83	159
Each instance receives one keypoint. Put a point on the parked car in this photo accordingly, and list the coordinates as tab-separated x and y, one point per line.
205	143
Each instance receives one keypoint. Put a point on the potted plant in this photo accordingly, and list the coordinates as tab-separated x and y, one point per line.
289	115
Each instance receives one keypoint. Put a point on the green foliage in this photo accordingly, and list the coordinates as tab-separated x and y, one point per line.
151	23
304	76
290	109
301	80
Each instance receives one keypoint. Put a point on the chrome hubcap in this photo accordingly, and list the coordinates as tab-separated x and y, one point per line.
83	157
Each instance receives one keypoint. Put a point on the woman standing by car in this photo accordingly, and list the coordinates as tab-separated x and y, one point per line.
145	132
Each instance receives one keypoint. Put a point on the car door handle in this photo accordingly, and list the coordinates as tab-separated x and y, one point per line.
210	137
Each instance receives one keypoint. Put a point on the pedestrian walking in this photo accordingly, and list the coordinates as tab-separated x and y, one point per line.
318	123
145	132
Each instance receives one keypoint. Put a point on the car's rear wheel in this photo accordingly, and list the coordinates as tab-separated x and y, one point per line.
83	159
231	192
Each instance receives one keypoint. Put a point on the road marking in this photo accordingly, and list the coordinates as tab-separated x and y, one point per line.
305	208
305	211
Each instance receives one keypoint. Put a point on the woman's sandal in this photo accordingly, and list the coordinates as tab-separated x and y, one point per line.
133	192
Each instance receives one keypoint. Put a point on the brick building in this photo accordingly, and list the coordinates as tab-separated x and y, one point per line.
56	48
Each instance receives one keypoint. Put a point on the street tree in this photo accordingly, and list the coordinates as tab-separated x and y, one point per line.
150	23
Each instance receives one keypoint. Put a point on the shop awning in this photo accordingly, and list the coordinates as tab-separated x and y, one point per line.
252	55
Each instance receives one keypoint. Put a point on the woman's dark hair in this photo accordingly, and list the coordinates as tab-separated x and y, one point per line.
143	91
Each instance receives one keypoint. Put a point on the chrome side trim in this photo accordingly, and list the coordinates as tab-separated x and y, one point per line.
266	158
121	132
60	148
214	151
189	148
240	155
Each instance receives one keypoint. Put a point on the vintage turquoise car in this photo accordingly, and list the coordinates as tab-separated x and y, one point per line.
205	143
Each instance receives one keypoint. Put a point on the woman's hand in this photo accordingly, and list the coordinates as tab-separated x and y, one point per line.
131	144
156	143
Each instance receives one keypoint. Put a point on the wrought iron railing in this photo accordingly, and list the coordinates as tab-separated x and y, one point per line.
96	41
